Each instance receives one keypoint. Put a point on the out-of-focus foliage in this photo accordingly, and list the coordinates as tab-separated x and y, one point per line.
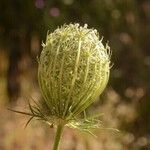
125	103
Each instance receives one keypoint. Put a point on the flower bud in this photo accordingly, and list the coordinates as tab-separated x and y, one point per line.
73	69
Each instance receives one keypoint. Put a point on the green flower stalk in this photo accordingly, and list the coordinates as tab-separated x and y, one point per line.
73	71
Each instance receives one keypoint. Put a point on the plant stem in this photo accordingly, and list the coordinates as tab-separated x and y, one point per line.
58	136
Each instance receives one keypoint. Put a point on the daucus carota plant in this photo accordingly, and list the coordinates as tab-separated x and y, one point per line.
73	70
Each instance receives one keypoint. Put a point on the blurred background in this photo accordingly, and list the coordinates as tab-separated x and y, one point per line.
126	100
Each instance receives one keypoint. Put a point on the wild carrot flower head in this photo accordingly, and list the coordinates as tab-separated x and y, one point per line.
73	69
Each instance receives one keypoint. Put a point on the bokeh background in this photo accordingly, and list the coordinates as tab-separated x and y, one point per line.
125	104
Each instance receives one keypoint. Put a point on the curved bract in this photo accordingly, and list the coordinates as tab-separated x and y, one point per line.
73	69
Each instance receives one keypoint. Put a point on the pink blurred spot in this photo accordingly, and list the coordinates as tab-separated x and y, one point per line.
54	12
39	4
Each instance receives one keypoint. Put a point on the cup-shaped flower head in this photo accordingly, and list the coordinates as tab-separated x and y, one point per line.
73	69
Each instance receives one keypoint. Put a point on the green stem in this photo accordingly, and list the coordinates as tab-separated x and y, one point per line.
58	136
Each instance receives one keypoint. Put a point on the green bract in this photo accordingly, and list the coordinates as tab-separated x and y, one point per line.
73	70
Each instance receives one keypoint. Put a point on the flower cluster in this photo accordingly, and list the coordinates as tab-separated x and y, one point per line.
73	69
